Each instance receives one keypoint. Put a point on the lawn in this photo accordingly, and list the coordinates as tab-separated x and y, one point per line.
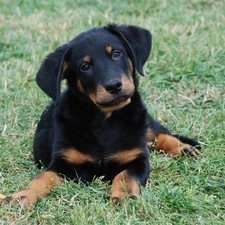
184	88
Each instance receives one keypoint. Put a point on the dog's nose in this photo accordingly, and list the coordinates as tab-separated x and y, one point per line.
114	86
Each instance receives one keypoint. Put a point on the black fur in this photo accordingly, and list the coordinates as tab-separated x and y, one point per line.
77	122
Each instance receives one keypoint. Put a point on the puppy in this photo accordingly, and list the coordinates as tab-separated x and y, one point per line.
99	125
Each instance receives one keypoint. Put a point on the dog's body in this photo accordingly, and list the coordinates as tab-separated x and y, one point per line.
99	125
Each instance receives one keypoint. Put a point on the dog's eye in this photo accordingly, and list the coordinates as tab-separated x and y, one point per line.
116	54
85	67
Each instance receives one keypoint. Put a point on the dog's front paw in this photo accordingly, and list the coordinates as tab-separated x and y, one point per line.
117	196
124	186
23	198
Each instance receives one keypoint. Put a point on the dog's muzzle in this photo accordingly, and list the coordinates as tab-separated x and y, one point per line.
115	101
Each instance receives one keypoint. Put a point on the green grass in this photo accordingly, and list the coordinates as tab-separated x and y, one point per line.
184	88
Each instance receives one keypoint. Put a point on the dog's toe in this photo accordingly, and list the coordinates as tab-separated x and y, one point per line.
191	152
5	200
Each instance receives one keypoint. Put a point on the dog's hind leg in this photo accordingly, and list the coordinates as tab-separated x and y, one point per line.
160	139
171	146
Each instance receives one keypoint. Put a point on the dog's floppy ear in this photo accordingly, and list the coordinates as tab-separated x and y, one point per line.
137	41
52	72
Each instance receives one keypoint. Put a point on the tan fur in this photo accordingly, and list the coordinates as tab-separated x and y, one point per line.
87	59
76	157
124	157
123	186
39	187
170	145
108	49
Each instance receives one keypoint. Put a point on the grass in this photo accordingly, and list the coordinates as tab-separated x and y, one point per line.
184	88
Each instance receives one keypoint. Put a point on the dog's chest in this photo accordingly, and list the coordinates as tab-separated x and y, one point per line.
91	133
113	133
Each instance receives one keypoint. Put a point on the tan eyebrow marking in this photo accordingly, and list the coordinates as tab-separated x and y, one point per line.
108	49
87	59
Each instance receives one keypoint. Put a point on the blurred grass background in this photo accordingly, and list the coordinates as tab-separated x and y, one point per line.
184	88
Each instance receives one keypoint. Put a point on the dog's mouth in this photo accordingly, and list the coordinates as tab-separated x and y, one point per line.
115	101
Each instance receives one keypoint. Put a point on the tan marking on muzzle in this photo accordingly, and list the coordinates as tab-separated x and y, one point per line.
102	97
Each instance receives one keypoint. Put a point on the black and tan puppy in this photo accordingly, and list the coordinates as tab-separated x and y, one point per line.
99	125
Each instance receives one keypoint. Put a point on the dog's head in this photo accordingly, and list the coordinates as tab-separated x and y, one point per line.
98	64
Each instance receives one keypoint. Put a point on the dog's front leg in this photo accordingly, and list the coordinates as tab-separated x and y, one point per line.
127	183
38	188
124	185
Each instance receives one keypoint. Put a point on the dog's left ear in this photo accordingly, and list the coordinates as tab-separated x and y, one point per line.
137	41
